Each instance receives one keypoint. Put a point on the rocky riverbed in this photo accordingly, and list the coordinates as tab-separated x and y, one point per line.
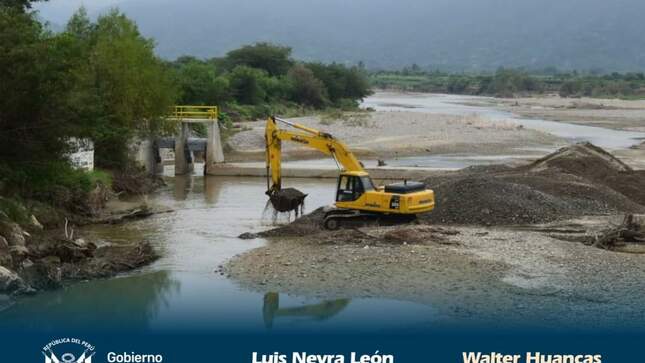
36	257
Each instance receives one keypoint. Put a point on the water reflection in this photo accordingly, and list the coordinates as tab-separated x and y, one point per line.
183	185
321	311
212	188
105	304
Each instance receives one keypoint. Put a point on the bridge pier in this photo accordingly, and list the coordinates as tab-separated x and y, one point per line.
214	152
183	156
184	146
147	155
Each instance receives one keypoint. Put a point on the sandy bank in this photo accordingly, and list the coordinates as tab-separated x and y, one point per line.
559	283
609	113
387	134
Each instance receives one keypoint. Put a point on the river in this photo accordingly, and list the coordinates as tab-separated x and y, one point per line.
462	105
182	291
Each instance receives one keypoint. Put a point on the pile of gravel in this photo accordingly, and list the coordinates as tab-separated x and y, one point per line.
574	181
499	200
307	224
596	165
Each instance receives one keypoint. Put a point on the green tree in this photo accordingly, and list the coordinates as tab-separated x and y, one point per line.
33	86
199	83
306	88
80	27
18	4
457	84
122	88
570	88
247	84
342	82
274	59
36	120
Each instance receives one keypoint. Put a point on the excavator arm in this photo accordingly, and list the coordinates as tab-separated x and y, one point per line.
321	141
356	197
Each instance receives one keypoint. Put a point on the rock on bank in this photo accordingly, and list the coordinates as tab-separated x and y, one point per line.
33	259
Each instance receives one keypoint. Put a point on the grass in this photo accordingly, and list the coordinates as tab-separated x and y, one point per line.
98	176
13	210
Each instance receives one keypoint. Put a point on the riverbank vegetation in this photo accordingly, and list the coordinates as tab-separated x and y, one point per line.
97	81
514	82
100	80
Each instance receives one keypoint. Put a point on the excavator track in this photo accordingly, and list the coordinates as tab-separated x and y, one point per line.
337	218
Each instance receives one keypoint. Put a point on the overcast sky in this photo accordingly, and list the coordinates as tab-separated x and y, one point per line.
436	34
58	11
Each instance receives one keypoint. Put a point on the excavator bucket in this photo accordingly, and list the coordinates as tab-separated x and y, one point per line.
287	200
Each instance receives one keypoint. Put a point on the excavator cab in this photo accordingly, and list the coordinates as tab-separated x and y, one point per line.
357	199
352	186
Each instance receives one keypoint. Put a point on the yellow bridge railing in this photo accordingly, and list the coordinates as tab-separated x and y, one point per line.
195	112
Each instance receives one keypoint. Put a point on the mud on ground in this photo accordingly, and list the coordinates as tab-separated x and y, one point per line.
574	181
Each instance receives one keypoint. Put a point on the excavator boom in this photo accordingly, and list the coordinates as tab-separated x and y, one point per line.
321	141
356	196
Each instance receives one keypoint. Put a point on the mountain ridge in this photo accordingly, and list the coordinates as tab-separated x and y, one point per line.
457	35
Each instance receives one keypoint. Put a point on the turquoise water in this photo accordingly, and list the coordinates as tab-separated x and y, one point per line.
181	291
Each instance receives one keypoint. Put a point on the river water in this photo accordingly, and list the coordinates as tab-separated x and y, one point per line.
462	105
181	291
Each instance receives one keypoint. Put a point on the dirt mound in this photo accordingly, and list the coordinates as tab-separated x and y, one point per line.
521	199
418	235
307	224
590	162
577	180
583	159
490	201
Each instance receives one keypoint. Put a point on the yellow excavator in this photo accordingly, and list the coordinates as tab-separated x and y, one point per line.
357	199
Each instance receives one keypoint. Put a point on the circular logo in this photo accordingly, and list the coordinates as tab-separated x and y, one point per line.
68	350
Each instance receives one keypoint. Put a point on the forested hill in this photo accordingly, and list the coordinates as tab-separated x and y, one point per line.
447	34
